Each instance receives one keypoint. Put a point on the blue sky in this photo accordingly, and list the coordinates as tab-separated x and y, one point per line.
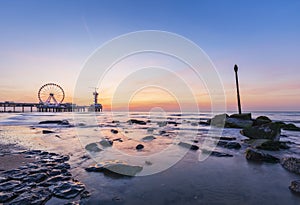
49	41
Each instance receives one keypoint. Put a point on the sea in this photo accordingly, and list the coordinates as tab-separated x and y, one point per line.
171	174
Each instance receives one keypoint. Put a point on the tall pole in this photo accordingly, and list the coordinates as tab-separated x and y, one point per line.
237	89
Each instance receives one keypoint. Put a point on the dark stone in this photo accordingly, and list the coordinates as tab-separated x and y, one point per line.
59	122
34	196
189	146
237	123
291	127
269	131
68	190
254	155
233	145
261	120
114	131
93	147
234	121
243	116
106	143
295	186
55	180
228	138
139	147
37	178
162	132
215	153
118	168
292	164
62	166
7	186
47	131
148	138
272	145
115	121
7	196
134	121
118	139
162	123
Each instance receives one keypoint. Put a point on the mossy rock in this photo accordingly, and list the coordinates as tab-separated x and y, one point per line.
269	131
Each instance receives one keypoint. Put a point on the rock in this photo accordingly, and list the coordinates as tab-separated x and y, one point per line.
162	123
189	146
261	120
254	155
93	147
291	127
7	186
272	145
106	143
292	164
54	180
7	196
68	190
218	120
134	121
116	168
228	138
37	178
62	166
233	145
238	123
269	131
148	138
47	131
115	121
139	147
114	131
234	121
162	132
215	153
118	139
150	129
59	122
243	116
33	196
295	186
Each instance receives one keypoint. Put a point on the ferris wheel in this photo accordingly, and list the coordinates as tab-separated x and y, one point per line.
51	93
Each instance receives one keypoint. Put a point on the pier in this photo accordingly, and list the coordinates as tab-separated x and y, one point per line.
38	107
51	98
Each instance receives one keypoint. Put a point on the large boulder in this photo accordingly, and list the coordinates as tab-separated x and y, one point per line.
237	123
218	120
292	164
244	116
254	155
233	121
261	120
269	131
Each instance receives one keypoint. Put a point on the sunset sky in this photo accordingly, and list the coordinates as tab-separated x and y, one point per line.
50	41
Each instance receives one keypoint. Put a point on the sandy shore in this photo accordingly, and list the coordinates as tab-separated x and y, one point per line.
10	159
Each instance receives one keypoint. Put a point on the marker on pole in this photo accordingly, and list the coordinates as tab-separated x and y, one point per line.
237	89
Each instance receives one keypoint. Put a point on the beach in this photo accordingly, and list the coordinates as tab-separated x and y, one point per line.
167	172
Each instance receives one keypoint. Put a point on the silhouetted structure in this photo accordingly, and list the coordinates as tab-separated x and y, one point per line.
237	89
96	107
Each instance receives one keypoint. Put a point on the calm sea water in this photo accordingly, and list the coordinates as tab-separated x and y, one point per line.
171	174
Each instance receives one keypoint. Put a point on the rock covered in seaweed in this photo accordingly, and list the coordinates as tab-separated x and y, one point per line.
269	131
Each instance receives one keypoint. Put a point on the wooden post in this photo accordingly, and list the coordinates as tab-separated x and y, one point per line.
237	89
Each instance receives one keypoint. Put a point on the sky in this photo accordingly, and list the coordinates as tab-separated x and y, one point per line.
51	41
